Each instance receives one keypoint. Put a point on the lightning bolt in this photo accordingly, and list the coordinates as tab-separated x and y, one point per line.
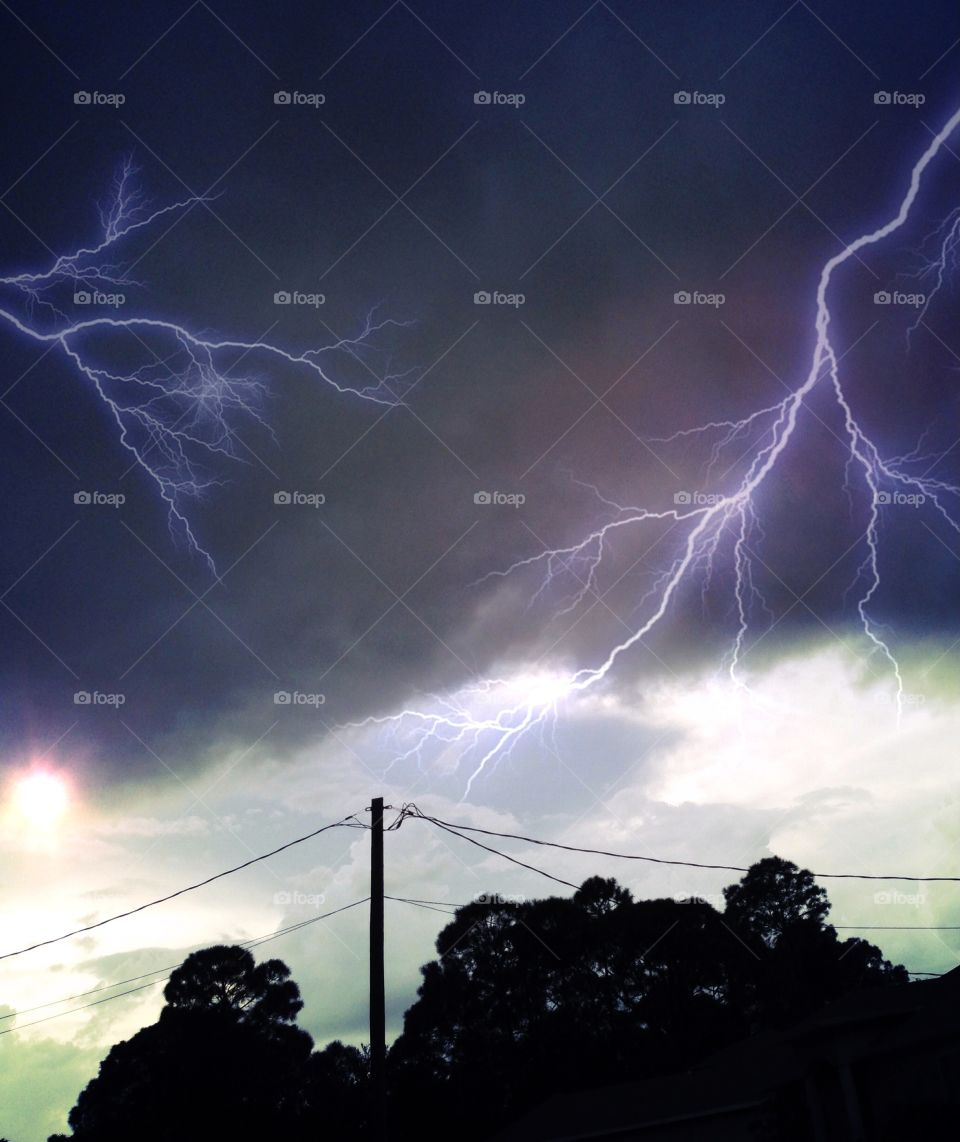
483	723
177	410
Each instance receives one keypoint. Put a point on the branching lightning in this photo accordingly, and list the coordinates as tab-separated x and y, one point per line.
484	722
178	408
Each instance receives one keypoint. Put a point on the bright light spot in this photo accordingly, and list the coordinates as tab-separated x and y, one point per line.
542	689
41	798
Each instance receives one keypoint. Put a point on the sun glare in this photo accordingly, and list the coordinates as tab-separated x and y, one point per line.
41	798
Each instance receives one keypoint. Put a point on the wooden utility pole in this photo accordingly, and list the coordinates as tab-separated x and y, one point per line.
378	1031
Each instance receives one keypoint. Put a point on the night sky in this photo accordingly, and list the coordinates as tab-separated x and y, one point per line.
589	187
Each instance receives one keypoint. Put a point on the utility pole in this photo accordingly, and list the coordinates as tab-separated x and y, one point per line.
378	1032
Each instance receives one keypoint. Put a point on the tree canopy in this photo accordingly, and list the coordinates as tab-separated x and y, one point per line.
223	1060
529	999
524	1000
227	979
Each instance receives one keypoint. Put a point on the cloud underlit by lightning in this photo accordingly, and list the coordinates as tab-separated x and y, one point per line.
482	723
178	409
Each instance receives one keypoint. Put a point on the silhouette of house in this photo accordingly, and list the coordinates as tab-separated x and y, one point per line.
874	1066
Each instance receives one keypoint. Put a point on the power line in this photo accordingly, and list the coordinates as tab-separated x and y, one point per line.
417	900
181	891
84	1006
506	856
255	942
258	940
898	927
82	994
459	830
839	927
413	811
451	904
428	905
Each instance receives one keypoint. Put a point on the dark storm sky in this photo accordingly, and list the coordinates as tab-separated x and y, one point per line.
302	600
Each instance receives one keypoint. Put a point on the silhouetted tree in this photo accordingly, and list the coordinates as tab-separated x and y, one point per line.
544	996
772	897
534	997
334	1094
228	979
222	1061
525	999
801	964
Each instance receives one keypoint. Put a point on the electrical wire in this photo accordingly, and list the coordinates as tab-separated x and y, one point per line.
506	856
255	942
457	830
83	1006
429	906
181	891
83	994
450	904
897	927
414	812
258	940
417	900
407	900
